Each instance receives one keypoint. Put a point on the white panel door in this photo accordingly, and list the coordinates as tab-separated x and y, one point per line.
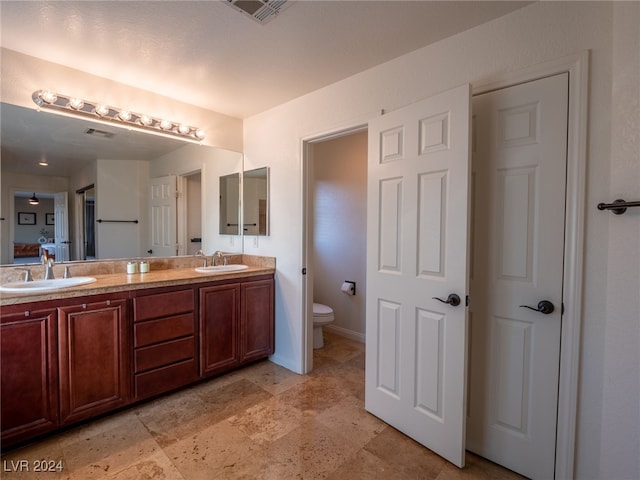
519	171
163	216
417	224
61	226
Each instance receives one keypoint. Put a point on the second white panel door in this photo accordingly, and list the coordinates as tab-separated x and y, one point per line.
519	182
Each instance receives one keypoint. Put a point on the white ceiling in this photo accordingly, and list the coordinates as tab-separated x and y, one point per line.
206	53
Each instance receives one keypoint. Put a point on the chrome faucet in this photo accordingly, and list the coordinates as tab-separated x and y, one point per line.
217	257
27	274
48	266
200	253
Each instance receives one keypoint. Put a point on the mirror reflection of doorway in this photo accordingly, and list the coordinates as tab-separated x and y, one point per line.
190	213
31	226
87	231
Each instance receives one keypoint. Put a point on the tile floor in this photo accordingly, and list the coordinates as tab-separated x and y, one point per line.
261	422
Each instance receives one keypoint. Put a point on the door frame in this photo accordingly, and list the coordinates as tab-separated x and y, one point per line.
307	231
577	66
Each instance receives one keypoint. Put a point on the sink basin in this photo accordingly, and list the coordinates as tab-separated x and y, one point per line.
221	268
45	285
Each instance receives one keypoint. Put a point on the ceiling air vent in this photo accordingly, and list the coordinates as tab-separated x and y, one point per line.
260	10
99	133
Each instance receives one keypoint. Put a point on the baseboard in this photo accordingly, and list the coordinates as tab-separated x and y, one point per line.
344	332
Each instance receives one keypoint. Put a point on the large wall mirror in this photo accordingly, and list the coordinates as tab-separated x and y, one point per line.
104	171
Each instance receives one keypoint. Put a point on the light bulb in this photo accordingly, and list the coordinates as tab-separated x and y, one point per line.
145	120
76	103
124	115
200	134
101	110
48	97
184	129
166	125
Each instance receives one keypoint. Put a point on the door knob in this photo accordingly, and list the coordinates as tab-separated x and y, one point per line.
452	299
544	306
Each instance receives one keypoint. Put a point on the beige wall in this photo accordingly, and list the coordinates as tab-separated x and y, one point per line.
121	194
339	229
609	389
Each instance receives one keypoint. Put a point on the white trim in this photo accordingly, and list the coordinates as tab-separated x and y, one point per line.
346	333
578	67
79	233
307	280
181	215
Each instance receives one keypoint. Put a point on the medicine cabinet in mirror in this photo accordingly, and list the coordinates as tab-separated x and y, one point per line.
254	219
255	202
230	204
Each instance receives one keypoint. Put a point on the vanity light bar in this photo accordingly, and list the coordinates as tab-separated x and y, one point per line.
118	116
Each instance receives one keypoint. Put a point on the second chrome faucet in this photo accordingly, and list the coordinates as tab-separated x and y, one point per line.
48	266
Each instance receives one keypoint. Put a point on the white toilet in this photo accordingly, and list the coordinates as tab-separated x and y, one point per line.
322	315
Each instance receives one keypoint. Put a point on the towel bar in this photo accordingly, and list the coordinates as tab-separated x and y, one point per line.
618	206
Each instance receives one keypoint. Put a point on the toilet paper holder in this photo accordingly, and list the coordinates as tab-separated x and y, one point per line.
349	287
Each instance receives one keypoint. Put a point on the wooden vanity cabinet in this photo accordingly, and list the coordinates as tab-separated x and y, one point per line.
28	372
165	340
94	357
68	360
219	328
257	320
236	323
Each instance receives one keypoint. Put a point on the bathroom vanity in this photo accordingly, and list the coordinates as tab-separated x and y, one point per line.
70	355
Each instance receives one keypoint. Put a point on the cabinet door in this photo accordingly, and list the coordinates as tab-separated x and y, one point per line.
28	374
94	359
256	331
219	322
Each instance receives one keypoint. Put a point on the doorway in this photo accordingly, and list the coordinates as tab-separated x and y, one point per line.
189	213
335	212
85	223
37	226
175	214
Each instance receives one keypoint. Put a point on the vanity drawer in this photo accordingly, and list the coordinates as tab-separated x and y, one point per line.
160	305
163	329
165	379
163	354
